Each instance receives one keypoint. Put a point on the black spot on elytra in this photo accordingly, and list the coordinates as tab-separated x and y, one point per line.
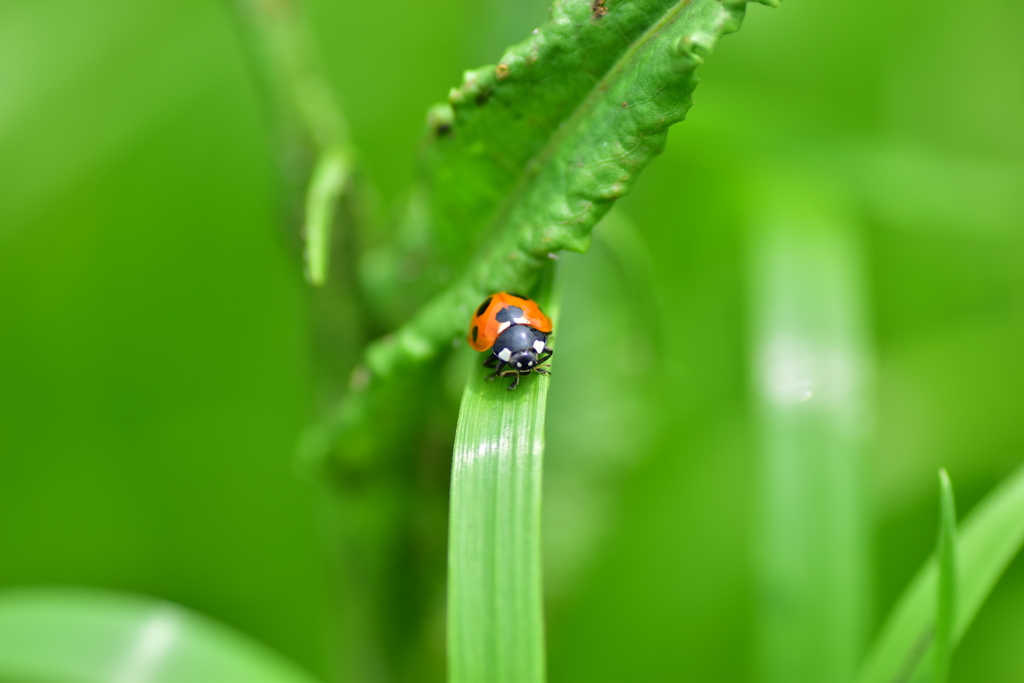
507	314
476	331
519	296
483	306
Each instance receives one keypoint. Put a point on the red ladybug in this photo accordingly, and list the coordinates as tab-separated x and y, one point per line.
516	331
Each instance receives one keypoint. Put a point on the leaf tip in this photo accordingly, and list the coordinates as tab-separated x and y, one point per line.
316	272
944	483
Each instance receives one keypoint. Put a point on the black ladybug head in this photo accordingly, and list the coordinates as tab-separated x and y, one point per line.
519	346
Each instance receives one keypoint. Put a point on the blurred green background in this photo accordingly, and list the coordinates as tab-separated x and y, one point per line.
155	335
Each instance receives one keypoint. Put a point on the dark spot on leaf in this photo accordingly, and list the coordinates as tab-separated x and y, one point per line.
476	331
483	96
483	306
597	9
443	129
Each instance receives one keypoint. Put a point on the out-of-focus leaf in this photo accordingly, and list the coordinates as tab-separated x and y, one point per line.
77	634
325	189
989	539
312	128
813	367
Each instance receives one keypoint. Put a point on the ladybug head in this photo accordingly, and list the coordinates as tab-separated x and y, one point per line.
520	346
523	360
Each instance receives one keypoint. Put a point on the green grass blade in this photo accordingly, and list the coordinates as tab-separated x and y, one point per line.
495	601
989	539
322	197
810	354
946	596
77	634
310	125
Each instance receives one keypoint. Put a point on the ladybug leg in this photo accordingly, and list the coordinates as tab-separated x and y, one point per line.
498	371
491	361
544	355
512	373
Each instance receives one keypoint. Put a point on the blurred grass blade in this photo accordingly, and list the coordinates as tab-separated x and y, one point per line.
989	539
495	601
79	634
325	189
946	596
311	125
810	354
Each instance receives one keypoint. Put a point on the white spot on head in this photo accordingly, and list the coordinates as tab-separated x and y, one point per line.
538	346
504	354
530	363
518	364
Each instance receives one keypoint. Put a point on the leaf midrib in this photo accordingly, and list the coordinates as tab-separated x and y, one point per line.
537	162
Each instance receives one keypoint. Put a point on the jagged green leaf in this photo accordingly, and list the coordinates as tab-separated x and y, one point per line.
528	154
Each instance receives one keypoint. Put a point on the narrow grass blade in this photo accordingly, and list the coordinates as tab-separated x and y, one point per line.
809	351
79	634
495	601
946	596
310	123
325	189
989	539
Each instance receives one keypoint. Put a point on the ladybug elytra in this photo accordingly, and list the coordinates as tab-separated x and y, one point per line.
516	331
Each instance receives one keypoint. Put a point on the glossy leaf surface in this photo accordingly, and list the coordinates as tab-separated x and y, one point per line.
495	600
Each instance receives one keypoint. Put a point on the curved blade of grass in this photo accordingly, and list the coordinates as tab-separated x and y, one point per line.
77	634
495	601
311	122
322	197
529	154
989	539
946	594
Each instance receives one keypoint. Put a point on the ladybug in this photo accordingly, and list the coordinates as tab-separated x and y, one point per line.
516	331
